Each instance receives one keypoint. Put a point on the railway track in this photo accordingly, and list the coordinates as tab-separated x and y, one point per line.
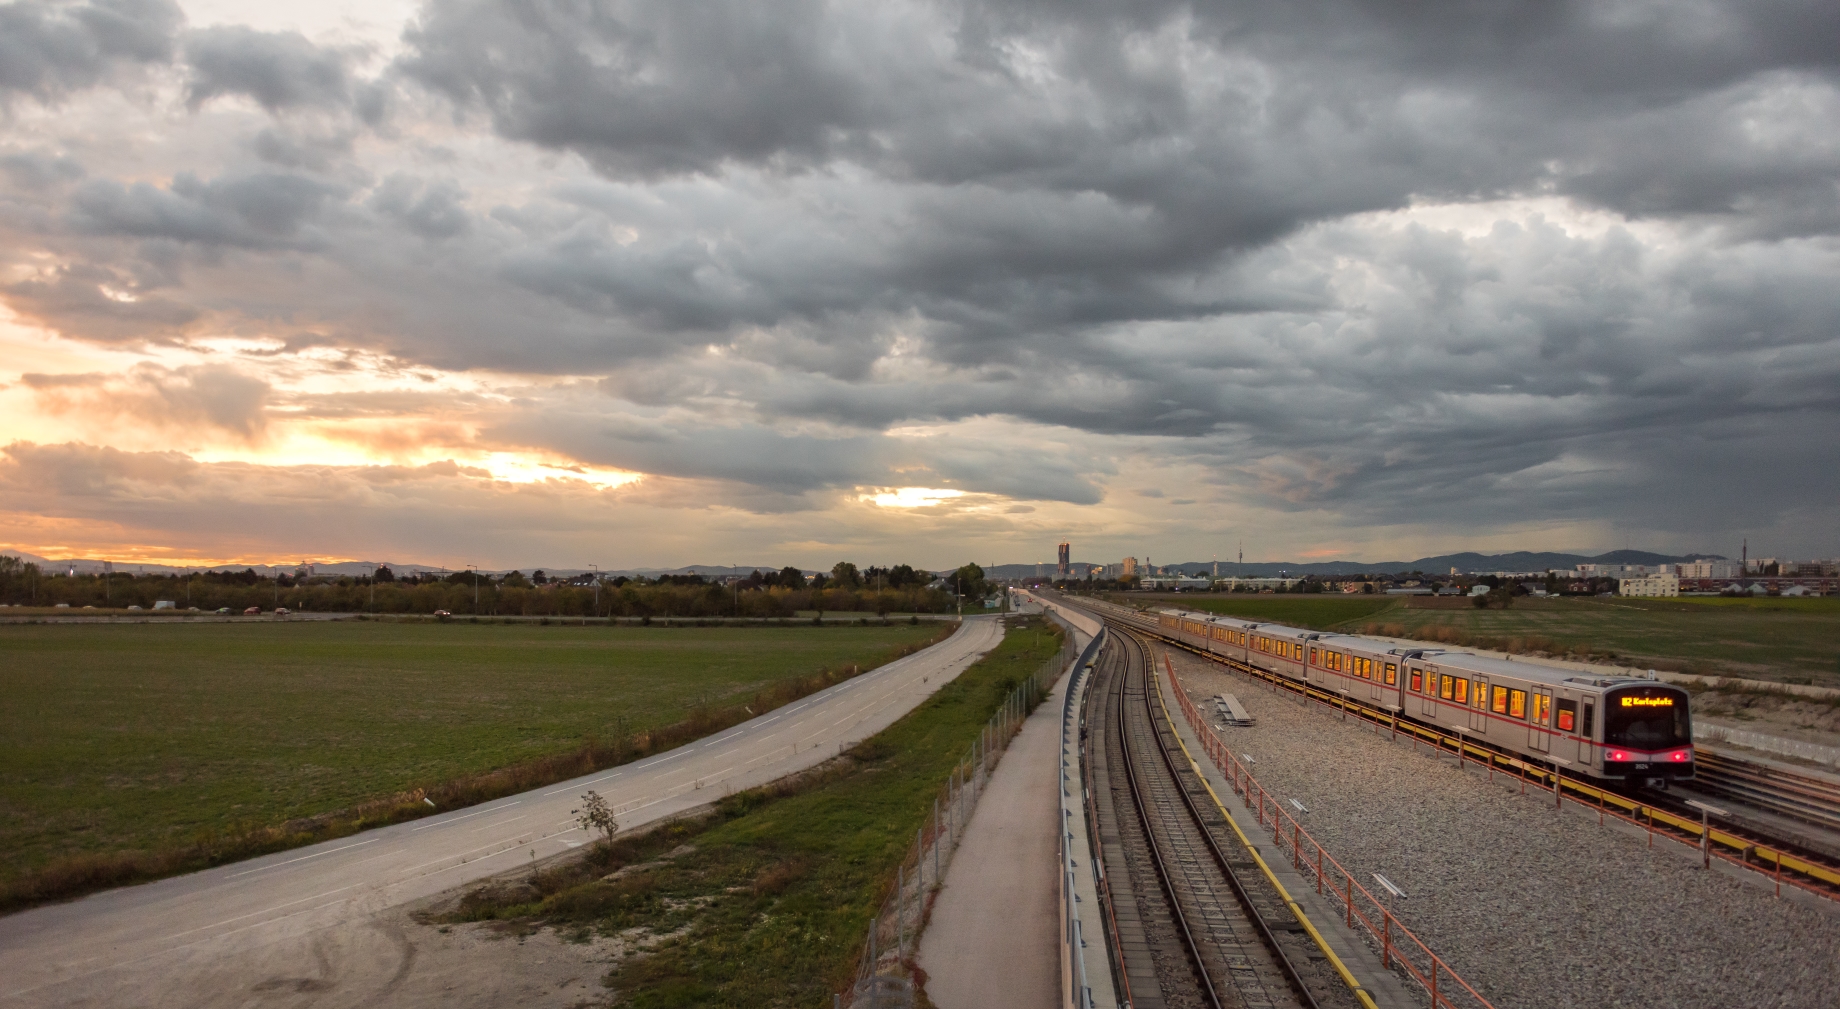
1812	858
1195	923
1776	790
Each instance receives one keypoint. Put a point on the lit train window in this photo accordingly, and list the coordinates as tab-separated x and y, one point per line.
1500	703
1461	688
1418	681
1313	659
1482	692
1444	687
1392	674
1517	703
1542	705
1568	716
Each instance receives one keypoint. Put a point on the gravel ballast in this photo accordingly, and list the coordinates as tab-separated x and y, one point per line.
1532	907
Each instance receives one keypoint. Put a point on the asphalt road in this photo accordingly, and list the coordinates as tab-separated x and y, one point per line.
312	926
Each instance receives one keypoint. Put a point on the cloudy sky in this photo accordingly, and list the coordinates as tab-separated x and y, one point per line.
651	283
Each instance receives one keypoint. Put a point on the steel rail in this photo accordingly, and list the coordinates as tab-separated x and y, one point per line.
1787	860
1266	936
1158	860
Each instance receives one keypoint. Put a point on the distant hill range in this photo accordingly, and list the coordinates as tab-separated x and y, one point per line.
1467	563
1439	565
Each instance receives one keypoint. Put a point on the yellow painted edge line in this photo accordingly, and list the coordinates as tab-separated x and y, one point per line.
1303	919
1790	862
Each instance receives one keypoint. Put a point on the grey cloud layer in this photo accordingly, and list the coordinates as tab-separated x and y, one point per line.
1161	226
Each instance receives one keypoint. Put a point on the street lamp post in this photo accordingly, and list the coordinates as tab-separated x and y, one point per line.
475	570
597	588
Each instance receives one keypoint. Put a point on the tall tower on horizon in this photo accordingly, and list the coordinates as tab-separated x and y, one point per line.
1064	569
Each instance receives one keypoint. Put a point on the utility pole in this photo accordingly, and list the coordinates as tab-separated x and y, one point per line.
475	570
373	590
597	588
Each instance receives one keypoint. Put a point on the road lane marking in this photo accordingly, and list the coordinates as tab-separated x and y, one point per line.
725	738
468	816
590	781
302	858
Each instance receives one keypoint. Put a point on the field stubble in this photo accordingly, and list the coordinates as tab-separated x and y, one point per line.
131	751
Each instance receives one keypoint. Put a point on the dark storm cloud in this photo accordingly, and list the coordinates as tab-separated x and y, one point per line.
1168	230
280	70
258	211
50	49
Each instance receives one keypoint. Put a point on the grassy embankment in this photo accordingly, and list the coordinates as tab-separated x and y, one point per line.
1784	640
133	751
767	900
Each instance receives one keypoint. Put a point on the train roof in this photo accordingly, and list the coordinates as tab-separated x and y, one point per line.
1485	665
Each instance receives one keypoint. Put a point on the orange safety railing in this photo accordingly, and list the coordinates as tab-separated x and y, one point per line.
1783	868
1397	943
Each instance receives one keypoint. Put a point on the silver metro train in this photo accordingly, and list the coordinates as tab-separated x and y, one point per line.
1612	729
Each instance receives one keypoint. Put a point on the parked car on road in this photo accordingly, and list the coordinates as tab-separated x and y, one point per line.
253	611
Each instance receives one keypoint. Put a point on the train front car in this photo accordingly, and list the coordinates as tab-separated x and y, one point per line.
1648	733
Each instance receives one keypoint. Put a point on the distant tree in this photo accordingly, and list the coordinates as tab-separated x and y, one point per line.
845	576
968	581
516	580
384	574
538	577
791	577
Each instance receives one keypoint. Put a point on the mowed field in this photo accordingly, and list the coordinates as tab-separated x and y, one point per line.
1785	640
145	736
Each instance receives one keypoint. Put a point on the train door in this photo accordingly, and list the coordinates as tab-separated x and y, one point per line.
1428	699
1371	671
1539	719
1479	705
1565	725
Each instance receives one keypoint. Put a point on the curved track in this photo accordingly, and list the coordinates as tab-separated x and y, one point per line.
1212	936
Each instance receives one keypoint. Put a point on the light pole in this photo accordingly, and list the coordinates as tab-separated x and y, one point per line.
373	590
596	568
475	570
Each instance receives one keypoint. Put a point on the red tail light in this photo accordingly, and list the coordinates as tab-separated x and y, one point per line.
1618	755
1680	756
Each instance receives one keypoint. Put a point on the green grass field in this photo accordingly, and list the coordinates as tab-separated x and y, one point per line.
1785	640
1317	612
148	736
775	898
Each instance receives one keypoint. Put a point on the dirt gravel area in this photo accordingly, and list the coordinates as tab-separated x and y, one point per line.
1536	909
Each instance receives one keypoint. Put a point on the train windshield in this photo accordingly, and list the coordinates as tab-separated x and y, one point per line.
1648	718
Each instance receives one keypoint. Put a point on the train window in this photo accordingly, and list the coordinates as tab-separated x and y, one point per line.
1418	681
1499	704
1367	668
1542	706
1444	687
1568	716
1392	674
1517	703
1589	728
1313	659
1460	688
1482	693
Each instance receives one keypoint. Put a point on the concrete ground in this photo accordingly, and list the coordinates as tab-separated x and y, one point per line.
994	936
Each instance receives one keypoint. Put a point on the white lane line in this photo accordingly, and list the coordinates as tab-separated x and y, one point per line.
822	730
468	816
724	738
302	858
775	718
590	781
493	823
252	914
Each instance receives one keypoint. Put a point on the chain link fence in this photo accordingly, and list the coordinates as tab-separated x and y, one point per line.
885	977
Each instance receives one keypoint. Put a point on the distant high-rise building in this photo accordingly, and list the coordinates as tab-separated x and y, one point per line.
1130	567
1065	568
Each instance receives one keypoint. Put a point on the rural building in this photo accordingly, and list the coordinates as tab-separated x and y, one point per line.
1649	585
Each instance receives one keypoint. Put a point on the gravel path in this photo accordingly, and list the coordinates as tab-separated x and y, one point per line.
1533	908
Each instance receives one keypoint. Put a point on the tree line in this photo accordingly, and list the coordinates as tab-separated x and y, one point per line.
763	594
